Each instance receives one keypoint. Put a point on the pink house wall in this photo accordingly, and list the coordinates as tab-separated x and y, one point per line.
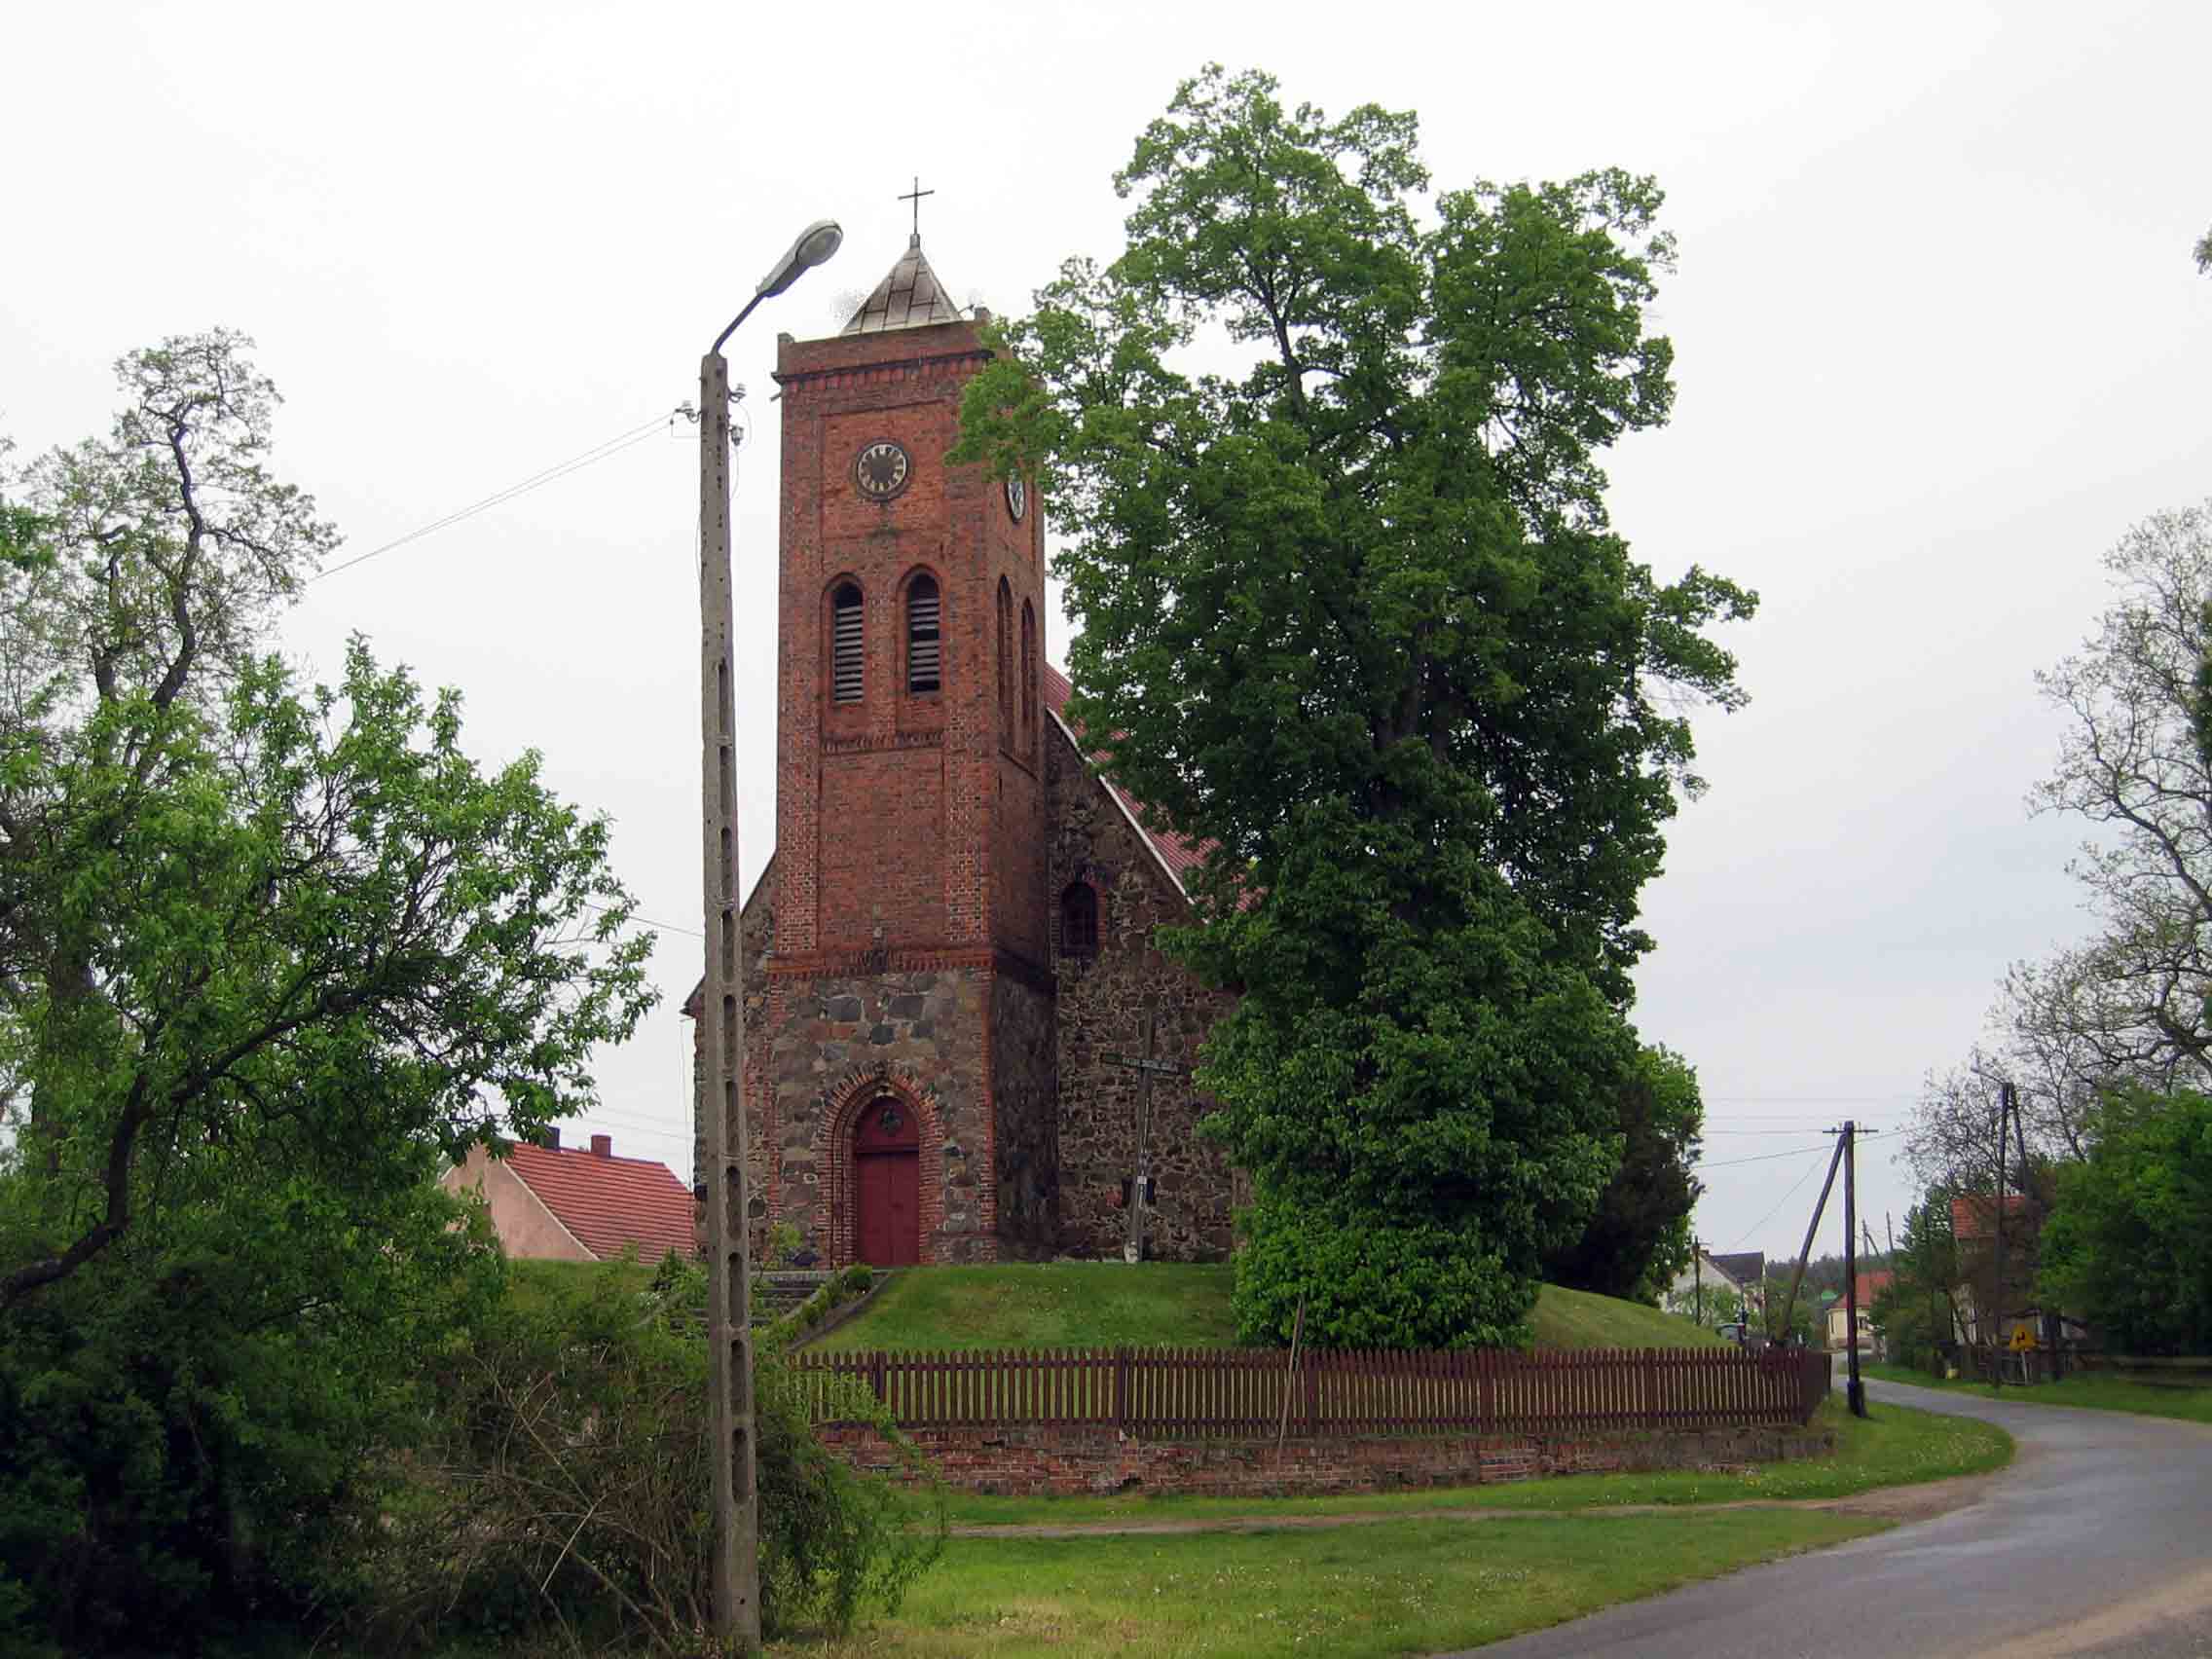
525	1226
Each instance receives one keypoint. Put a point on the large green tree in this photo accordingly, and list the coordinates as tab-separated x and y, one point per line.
1325	455
1637	1239
235	910
2128	1245
267	950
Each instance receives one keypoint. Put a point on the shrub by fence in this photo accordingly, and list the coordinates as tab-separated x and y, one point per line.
1242	1394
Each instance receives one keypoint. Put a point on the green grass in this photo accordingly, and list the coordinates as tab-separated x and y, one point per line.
1399	1587
2086	1390
1892	1445
1054	1305
1170	1303
1581	1319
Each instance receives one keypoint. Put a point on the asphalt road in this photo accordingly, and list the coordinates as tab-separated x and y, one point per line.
2097	1540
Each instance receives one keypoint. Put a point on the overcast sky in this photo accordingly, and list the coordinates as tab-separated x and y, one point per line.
1940	342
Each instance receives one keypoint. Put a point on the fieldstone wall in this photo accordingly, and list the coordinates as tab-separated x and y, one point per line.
837	1042
1022	1093
1101	1003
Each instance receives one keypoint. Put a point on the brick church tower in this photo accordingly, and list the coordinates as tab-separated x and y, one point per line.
900	1040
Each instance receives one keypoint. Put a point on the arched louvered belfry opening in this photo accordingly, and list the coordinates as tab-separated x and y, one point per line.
1005	664
1079	920
925	639
846	673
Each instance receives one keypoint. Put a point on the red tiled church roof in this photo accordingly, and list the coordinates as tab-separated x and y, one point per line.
608	1202
1172	850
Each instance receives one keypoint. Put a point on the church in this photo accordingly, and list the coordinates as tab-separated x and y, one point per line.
963	1043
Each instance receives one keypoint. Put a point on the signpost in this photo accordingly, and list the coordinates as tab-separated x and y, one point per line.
1140	1186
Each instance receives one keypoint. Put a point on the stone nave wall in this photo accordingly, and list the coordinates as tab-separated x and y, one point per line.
1102	1003
1022	1089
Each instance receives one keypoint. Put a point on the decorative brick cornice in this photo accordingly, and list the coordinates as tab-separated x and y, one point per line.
879	374
860	964
923	959
869	743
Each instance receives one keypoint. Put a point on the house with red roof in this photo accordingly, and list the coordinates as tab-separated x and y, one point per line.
963	1041
569	1204
1975	1218
1870	1285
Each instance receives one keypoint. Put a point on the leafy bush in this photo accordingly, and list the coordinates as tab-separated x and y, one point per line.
568	1494
1370	1284
210	1423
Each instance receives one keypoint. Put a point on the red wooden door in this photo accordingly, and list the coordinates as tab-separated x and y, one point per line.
887	1186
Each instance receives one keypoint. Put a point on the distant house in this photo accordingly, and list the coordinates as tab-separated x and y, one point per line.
1973	1216
1973	1227
1747	1271
1743	1272
567	1204
1870	1285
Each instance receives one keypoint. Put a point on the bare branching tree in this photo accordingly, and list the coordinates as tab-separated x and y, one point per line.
2128	1003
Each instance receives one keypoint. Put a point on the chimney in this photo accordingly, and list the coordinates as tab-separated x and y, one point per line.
603	1146
553	1139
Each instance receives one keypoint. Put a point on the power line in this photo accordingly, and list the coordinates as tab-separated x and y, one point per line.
560	469
1762	1158
1808	1099
646	921
1778	1202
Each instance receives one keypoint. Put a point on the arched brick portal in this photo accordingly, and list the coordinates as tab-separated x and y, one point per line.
869	1163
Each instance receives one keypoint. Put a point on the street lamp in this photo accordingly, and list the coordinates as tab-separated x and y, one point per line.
722	1001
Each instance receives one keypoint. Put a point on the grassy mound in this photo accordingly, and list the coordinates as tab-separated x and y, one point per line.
1583	1320
1105	1304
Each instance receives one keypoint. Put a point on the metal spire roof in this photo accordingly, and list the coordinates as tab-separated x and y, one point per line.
909	297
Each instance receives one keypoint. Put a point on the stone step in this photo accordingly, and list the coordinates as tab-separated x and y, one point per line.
777	1292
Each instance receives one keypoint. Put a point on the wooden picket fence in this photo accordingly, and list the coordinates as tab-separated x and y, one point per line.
1242	1393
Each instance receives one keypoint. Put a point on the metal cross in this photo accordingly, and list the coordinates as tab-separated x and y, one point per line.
1147	1069
916	196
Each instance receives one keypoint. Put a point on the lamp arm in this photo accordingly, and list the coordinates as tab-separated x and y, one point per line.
734	321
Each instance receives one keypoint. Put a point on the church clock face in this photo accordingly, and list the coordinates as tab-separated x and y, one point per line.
1016	498
882	469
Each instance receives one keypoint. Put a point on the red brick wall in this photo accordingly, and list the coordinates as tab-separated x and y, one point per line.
900	825
1071	1460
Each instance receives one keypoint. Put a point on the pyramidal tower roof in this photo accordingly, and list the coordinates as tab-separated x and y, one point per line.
910	296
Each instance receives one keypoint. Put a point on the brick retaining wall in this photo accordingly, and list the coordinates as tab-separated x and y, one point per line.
1070	1459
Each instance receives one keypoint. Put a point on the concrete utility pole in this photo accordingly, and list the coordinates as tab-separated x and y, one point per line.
721	1003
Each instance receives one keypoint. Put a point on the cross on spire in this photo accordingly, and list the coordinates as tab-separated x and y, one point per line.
916	196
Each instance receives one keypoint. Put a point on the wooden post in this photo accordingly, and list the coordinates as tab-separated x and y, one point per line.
1997	1221
1290	1373
1855	1393
1797	1275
